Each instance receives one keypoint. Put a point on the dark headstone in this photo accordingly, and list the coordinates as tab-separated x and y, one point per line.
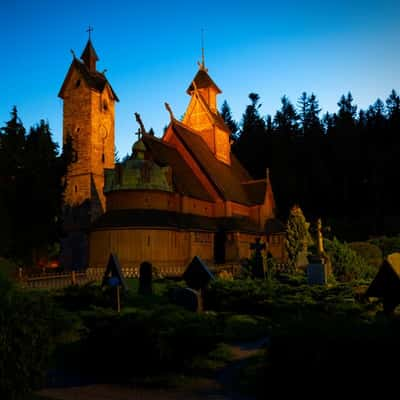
113	275
258	268
386	284
317	273
197	275
145	278
187	298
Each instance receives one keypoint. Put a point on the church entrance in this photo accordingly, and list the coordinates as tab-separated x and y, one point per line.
219	247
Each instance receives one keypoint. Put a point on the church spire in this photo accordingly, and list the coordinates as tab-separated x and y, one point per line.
89	55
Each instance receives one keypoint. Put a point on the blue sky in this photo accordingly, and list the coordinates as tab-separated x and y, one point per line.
150	50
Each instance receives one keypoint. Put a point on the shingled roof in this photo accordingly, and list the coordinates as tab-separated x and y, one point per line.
202	80
95	80
185	181
168	219
227	179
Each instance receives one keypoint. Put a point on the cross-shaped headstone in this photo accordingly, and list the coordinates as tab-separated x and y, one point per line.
90	30
259	265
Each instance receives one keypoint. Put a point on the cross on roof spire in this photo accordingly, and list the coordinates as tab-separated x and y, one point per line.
89	30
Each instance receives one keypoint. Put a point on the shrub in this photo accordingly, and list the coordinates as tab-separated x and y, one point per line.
388	245
25	340
347	265
371	253
147	342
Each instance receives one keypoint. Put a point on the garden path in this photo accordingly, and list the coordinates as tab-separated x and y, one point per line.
220	388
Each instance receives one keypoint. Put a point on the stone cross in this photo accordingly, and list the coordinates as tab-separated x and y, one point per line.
259	265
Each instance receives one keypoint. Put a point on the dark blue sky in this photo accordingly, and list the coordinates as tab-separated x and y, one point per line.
150	50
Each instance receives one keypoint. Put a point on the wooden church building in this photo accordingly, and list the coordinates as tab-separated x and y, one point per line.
178	196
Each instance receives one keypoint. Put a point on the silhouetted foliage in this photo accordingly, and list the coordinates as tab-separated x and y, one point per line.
226	114
341	166
31	190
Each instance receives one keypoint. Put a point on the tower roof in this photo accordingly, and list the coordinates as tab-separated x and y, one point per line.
89	53
95	80
202	80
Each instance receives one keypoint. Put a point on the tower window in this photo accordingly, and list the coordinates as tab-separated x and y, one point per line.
78	83
103	158
105	105
76	188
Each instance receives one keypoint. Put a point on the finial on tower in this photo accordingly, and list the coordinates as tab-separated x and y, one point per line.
171	114
89	30
202	65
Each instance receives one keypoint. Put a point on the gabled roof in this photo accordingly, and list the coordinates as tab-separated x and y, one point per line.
256	190
215	117
95	80
227	179
185	181
202	80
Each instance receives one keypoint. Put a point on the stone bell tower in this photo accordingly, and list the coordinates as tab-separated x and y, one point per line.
88	120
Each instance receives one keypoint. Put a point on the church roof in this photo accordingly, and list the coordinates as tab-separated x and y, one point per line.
256	190
89	52
227	179
202	80
217	119
170	219
95	80
185	181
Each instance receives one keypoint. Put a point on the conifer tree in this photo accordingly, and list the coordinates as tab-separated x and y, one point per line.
297	235
226	114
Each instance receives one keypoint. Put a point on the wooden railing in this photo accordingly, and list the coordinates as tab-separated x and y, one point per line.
61	280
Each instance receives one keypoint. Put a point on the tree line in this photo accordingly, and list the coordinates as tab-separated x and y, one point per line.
340	166
31	190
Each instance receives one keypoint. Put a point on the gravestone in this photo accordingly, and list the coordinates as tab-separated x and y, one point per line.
113	276
317	273
188	298
386	284
197	275
258	268
146	278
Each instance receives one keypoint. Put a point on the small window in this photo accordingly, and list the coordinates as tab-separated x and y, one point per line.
78	83
103	158
148	240
105	105
76	188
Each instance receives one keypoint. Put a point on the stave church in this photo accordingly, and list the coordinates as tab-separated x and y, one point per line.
178	196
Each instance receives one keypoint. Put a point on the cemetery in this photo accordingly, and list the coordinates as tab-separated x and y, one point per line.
157	332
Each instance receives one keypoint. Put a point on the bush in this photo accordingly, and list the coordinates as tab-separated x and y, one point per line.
371	253
347	265
388	245
25	340
147	342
